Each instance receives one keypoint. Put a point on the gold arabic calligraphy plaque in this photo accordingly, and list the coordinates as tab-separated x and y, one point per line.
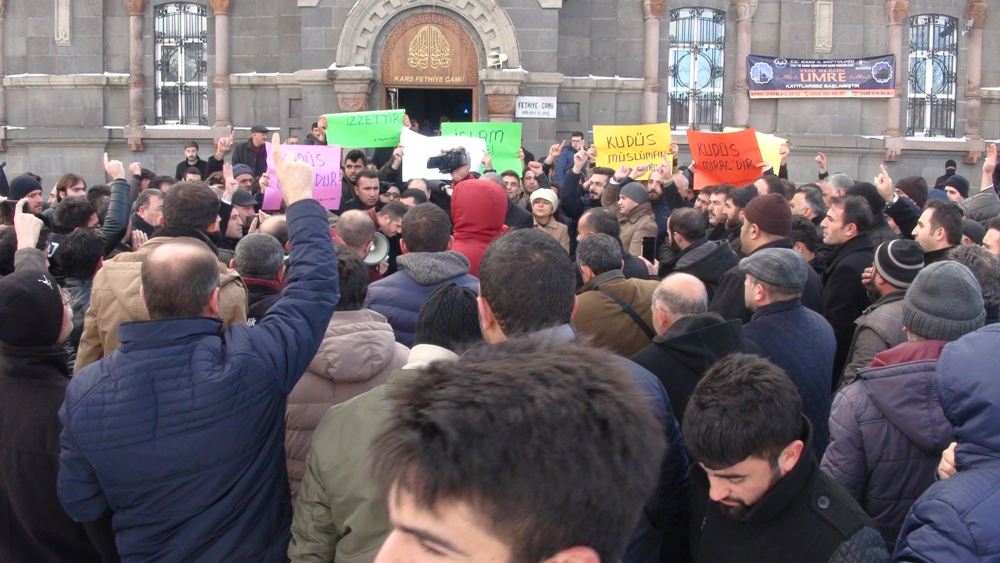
429	51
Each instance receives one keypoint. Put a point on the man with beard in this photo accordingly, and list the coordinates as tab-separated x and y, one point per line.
703	201
736	202
692	253
717	210
757	491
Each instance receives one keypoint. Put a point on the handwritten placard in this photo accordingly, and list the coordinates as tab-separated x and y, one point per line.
365	129
630	145
724	158
770	146
325	161
503	140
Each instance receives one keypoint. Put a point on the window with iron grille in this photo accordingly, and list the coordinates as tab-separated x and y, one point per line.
931	100
180	53
697	46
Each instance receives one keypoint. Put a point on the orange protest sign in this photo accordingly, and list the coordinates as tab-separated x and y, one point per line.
724	158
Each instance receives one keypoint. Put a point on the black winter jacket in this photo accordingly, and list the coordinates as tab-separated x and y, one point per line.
706	260
844	296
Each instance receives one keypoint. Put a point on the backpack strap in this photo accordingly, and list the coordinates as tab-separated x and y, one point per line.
631	312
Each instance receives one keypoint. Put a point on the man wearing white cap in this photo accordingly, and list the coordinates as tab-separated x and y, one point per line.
543	206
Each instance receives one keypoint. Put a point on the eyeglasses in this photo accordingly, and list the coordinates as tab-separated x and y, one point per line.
392	195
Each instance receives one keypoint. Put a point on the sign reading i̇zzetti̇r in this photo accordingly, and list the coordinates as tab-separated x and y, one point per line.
771	77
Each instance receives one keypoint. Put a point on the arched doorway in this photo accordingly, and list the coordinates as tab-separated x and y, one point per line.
430	67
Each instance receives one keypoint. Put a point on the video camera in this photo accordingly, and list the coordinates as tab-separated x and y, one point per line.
448	161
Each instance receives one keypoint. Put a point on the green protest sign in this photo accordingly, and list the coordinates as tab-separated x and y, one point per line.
364	129
503	140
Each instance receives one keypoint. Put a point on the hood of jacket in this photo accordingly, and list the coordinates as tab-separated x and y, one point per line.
715	251
638	212
358	345
429	268
969	394
693	340
901	385
423	355
123	276
478	210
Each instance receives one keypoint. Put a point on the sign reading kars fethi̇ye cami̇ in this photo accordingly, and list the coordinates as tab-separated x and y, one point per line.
872	77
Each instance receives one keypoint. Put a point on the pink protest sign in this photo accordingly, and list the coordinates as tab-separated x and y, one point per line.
325	161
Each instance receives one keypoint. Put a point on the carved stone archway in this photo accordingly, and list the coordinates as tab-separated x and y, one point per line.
490	21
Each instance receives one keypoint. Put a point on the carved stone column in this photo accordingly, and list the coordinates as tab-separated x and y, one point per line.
221	80
353	87
745	10
897	13
652	11
501	89
976	11
136	75
3	73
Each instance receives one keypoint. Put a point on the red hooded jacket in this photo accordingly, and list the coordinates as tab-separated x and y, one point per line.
478	210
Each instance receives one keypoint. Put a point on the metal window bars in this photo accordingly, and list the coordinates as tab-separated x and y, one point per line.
180	64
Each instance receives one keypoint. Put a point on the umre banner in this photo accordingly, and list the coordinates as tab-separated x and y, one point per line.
724	158
771	77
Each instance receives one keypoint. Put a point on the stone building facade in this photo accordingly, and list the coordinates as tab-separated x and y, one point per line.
137	78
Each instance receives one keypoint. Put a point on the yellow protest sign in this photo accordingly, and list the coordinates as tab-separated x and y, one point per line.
631	145
770	146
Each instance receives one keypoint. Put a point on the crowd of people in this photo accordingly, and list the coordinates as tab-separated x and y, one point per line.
557	363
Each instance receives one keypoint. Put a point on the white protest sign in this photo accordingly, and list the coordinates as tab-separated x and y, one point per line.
417	149
543	107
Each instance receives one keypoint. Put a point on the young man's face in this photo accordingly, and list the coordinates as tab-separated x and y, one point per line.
834	229
530	183
991	242
367	191
702	202
78	189
717	209
193	177
35	201
513	186
452	531
734	214
235	227
576	142
597	184
626	205
191	154
390	227
923	233
151	213
352	167
953	194
741	486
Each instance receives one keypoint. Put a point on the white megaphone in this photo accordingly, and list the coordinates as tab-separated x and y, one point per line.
378	251
496	59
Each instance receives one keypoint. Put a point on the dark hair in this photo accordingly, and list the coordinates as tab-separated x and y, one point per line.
449	318
67	181
72	213
259	256
353	275
97	191
355	155
190	204
314	125
856	212
528	281
143	199
992	223
369	174
603	171
774	185
947	214
80	252
510	173
789	187
723	189
601	220
191	144
215	178
813	196
687	222
572	454
147	174
577	134
426	228
868	191
394	209
179	287
985	267
418	195
8	247
158	182
743	407
193	170
804	231
600	253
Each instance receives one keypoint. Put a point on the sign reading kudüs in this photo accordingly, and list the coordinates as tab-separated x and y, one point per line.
724	158
325	162
631	145
775	77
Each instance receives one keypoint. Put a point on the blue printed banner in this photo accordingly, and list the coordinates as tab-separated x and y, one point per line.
775	77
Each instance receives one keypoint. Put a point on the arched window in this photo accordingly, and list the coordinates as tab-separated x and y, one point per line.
930	103
180	50
697	45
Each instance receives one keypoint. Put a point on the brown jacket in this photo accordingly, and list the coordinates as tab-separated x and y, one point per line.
357	354
638	224
115	299
557	230
605	321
